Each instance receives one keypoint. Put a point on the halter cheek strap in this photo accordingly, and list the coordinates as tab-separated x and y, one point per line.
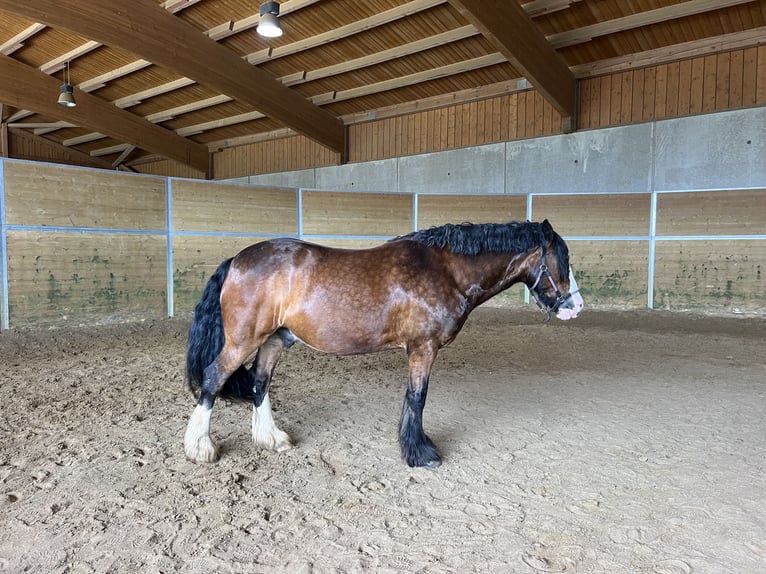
560	298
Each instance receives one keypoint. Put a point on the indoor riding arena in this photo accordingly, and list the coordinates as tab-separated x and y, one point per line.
628	438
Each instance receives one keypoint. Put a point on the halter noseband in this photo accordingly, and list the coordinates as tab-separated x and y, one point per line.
560	298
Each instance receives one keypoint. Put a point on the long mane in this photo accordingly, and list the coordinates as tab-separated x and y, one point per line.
476	238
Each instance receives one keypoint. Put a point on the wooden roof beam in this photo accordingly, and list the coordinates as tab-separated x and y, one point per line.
80	157
13	44
230	28
682	10
174	6
289	80
509	28
144	29
541	7
60	62
674	53
382	56
33	89
340	32
409	80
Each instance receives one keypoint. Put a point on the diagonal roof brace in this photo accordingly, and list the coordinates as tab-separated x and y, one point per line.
506	24
35	90
146	29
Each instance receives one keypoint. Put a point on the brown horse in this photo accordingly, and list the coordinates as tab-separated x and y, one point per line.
414	292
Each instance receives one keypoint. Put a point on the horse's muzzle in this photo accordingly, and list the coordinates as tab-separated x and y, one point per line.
573	302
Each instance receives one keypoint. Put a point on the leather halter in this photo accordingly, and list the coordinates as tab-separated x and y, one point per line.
561	298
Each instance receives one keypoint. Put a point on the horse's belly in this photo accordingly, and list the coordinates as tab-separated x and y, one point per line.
343	333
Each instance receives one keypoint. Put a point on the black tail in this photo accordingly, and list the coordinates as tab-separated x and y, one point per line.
206	338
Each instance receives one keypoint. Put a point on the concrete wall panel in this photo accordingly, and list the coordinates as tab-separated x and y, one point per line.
596	161
726	150
367	176
470	170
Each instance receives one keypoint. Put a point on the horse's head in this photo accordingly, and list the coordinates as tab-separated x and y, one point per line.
551	280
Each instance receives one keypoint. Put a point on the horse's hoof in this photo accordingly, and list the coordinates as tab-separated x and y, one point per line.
283	446
431	464
282	443
203	450
277	440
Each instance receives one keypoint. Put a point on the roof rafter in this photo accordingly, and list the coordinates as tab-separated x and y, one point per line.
37	90
541	7
18	40
511	31
193	55
83	157
302	77
391	15
673	53
432	103
230	28
688	8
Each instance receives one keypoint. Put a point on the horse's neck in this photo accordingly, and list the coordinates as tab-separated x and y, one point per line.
483	276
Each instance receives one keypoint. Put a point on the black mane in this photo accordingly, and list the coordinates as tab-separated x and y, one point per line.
476	238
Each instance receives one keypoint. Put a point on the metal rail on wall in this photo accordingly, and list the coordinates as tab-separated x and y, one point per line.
169	233
4	307
652	238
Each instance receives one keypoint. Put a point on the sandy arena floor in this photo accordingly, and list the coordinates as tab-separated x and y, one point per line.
621	442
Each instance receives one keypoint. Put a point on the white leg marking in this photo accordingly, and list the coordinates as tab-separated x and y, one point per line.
265	432
197	443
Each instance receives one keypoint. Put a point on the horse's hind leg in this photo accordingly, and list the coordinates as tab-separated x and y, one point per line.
265	431
417	448
198	445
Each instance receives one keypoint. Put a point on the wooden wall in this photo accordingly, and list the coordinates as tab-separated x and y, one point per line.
723	81
609	271
213	221
702	258
23	144
503	118
284	154
87	246
59	273
717	270
169	167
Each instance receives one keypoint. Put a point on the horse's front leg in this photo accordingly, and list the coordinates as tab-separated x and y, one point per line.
417	448
265	431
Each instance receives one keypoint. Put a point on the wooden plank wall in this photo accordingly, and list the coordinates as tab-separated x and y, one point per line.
692	270
90	246
723	81
609	272
206	218
71	277
23	144
723	274
170	168
348	213
78	279
284	154
436	210
510	117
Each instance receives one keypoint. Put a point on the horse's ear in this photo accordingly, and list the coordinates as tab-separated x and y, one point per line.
548	232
